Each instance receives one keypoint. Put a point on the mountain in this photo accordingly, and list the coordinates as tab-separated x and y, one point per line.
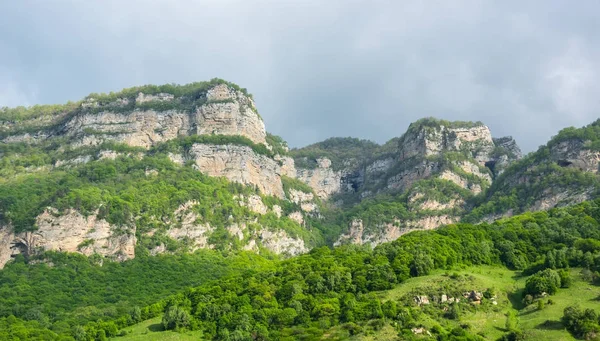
157	169
169	212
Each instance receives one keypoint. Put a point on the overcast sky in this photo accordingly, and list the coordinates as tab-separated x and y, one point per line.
324	68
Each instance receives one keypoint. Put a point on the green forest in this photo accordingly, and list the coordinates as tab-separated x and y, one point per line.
232	295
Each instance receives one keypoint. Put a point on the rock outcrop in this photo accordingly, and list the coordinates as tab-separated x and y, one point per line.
573	153
323	179
383	233
429	137
239	164
225	111
149	119
229	112
69	232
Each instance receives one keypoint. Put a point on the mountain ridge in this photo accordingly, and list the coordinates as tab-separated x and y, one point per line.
341	190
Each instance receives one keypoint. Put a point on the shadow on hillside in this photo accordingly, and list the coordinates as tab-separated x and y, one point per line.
550	325
528	312
157	327
516	299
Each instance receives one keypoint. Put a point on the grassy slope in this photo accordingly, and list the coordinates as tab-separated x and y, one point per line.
151	330
509	285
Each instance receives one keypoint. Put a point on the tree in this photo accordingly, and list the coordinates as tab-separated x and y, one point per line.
583	324
422	264
176	318
565	278
136	314
545	281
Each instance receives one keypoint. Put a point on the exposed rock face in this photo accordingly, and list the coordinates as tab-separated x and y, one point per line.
379	167
564	198
280	242
7	248
189	229
287	166
434	205
73	162
509	152
323	179
142	98
256	205
69	232
510	145
225	111
573	153
297	217
239	164
453	177
356	234
432	140
305	200
410	175
137	128
229	112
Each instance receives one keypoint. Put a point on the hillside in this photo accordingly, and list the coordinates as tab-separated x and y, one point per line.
138	168
442	282
169	212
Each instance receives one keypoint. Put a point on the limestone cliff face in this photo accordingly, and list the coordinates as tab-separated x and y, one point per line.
239	164
564	172
69	232
229	112
505	153
431	171
323	179
418	154
433	140
137	128
455	152
188	229
151	118
357	234
573	153
225	112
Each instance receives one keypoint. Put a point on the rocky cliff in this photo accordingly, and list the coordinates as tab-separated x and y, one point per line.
438	170
563	172
145	167
143	119
213	127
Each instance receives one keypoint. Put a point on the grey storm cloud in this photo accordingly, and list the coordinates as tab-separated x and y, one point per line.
319	69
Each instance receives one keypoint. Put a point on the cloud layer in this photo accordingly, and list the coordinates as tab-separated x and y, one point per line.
322	68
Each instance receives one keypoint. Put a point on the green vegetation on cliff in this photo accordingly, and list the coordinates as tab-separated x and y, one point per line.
589	134
125	194
191	92
525	184
337	149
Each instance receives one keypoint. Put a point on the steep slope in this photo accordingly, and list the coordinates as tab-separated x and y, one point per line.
563	172
441	172
136	171
419	181
459	280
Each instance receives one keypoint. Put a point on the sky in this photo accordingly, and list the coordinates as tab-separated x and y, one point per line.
319	69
